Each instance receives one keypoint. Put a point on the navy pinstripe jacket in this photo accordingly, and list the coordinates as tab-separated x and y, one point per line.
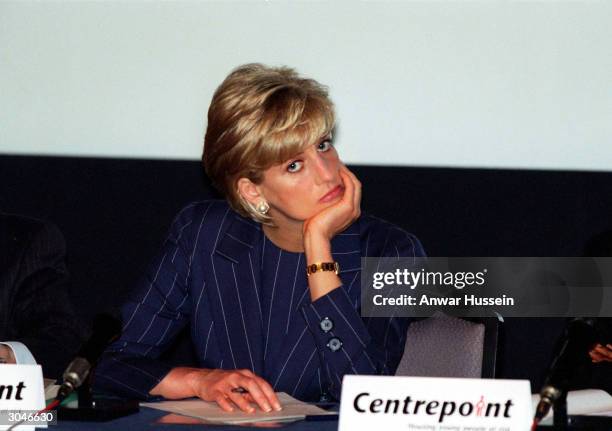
207	275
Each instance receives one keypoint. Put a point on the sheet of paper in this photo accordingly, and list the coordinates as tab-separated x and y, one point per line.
211	412
584	402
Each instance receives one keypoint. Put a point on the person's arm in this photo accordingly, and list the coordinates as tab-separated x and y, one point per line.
153	315
220	386
353	345
319	231
158	311
367	345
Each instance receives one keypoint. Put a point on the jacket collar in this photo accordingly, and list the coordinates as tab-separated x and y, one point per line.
239	238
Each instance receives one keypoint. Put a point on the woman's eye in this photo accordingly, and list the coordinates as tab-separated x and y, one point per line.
324	146
295	166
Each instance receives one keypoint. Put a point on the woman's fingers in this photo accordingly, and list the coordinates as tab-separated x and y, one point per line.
220	386
246	372
268	391
356	195
349	185
263	393
241	401
259	391
352	191
339	216
223	402
356	184
255	393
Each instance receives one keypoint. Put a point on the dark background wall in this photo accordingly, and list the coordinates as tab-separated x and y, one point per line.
114	214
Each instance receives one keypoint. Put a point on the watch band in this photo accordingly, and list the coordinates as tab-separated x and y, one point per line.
323	266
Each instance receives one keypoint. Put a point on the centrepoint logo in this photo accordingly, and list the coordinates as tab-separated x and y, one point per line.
364	403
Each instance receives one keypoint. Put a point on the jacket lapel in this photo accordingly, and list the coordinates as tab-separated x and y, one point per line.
235	297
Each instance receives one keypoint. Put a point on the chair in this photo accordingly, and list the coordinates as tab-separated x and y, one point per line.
446	346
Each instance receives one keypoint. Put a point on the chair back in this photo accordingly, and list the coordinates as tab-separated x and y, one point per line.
446	346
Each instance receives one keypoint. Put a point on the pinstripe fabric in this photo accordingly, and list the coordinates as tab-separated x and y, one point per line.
209	275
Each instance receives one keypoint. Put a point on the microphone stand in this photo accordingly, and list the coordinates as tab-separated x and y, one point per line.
579	336
92	408
79	374
560	421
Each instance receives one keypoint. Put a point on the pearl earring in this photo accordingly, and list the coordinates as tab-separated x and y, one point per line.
263	207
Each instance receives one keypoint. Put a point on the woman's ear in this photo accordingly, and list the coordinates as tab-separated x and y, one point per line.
249	191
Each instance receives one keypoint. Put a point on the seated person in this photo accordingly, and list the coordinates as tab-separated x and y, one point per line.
268	280
37	323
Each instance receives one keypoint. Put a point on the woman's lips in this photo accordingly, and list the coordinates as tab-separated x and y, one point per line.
332	194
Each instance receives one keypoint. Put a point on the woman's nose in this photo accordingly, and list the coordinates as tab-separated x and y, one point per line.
326	169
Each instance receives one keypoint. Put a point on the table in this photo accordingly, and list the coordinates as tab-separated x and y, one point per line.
147	419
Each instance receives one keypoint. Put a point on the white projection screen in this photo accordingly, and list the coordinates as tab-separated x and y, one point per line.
494	84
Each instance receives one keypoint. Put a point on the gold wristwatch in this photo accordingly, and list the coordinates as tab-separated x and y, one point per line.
323	266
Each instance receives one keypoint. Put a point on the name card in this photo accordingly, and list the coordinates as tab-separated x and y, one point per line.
21	390
434	404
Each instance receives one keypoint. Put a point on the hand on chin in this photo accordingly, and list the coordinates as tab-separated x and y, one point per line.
334	219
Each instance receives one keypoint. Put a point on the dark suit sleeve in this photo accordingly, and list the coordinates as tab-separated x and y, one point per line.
368	345
42	317
156	312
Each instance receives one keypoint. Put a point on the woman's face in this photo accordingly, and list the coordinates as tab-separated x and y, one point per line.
305	184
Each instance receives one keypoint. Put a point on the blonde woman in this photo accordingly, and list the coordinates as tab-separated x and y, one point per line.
268	279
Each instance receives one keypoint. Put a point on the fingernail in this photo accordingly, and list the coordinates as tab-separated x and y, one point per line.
277	407
267	409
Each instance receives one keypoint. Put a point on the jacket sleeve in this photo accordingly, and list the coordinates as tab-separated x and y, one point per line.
152	317
350	344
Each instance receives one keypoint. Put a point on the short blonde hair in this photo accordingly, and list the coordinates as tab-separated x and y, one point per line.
258	117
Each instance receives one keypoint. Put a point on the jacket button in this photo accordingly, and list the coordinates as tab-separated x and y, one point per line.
334	344
326	324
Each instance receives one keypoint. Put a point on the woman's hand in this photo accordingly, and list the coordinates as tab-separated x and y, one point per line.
601	353
217	385
336	218
322	227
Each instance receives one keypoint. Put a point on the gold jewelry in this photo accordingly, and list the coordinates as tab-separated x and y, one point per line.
323	266
263	207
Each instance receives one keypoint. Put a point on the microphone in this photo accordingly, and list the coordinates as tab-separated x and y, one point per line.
579	337
105	330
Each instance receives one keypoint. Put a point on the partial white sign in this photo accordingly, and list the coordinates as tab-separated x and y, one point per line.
21	395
